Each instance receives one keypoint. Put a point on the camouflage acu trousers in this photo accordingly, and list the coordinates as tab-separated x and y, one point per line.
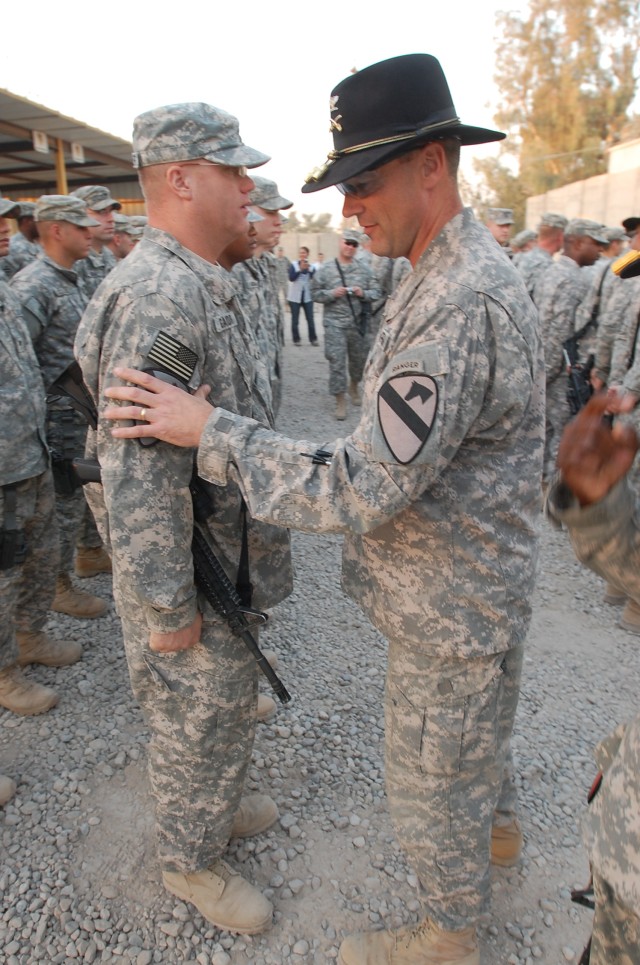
200	706
66	436
557	416
27	590
448	726
616	929
344	347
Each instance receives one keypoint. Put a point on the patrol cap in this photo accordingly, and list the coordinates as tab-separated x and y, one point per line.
615	234
27	209
187	132
523	237
500	215
96	197
253	216
266	195
9	209
138	220
551	220
350	234
121	222
583	228
64	207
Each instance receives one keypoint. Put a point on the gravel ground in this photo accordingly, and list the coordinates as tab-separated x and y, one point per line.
79	880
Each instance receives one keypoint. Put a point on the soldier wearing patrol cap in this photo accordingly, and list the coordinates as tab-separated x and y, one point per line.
437	492
125	237
53	300
345	287
550	233
522	242
558	294
195	680
100	260
23	245
257	280
499	221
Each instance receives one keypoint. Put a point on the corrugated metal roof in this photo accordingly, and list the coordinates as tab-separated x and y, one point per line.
26	173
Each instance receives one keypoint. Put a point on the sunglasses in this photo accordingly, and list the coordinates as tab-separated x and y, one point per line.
351	244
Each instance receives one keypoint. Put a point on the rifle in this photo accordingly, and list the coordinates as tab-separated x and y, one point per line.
579	390
210	577
173	362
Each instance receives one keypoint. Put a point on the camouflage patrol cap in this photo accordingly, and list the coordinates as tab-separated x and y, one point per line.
9	209
96	197
350	234
27	209
523	237
583	228
551	220
138	220
253	217
64	207
266	195
187	132
615	234
500	215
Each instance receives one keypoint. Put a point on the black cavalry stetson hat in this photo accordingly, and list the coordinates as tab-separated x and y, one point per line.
377	110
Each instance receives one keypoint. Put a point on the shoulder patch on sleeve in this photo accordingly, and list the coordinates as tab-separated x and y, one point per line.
408	398
407	406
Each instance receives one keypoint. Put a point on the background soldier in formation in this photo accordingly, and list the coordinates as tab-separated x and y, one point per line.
550	241
28	533
52	301
23	245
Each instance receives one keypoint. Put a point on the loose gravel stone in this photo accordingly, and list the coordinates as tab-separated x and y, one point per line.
78	877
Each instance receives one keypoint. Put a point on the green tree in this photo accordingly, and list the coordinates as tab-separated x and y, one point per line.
566	75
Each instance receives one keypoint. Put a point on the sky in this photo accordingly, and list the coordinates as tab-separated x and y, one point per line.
272	65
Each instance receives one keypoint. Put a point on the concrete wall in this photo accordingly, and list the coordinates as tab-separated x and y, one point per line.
607	198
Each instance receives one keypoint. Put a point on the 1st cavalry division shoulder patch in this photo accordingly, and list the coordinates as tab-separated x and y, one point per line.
406	411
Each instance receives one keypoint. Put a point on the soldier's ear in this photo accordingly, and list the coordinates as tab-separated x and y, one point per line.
179	180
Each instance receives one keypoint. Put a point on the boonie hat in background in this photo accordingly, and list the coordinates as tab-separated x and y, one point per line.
266	195
96	197
64	207
391	104
500	215
187	132
583	228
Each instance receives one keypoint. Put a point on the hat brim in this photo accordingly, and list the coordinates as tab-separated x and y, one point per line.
9	209
349	165
103	205
238	157
274	204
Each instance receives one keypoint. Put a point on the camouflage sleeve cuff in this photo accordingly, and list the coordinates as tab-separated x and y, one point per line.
214	452
168	621
563	506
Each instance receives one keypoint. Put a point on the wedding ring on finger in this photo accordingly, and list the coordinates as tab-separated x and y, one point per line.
143	413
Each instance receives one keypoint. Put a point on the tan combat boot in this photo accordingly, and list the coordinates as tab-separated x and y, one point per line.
424	944
506	844
24	696
630	619
74	602
7	789
341	407
223	897
256	813
92	560
354	394
36	647
266	707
